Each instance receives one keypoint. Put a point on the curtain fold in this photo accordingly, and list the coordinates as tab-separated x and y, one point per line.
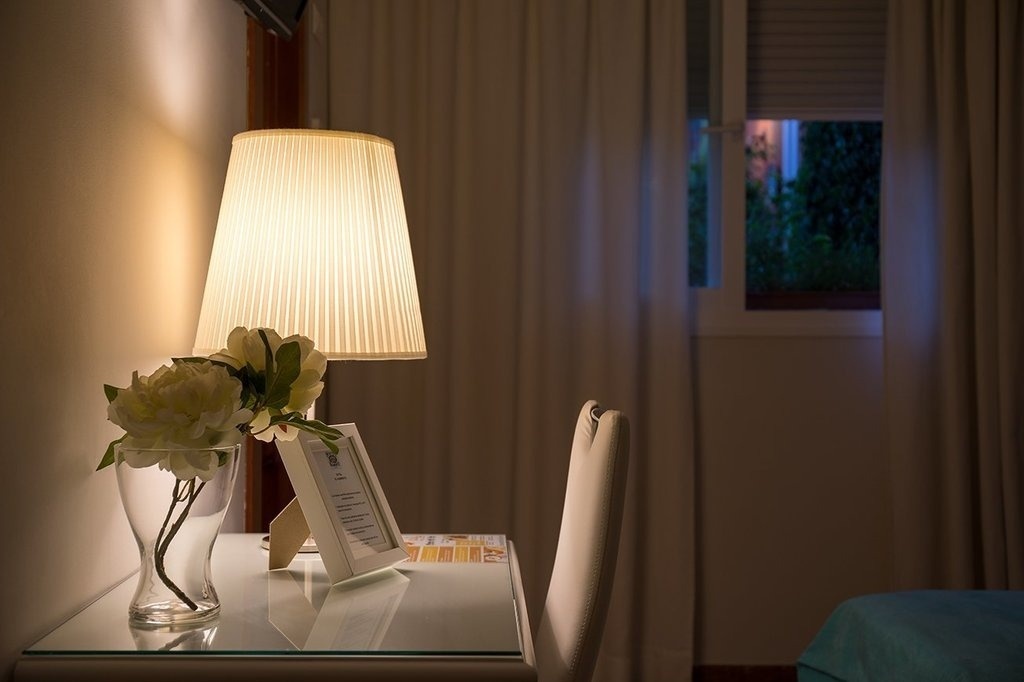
953	291
542	150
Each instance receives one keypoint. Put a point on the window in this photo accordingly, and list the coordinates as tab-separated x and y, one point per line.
785	154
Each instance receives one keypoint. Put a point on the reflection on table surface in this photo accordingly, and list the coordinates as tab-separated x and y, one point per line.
415	608
350	617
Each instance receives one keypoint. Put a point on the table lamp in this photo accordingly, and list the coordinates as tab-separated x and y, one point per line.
312	239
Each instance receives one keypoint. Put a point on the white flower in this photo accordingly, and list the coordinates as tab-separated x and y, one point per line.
188	406
246	347
197	403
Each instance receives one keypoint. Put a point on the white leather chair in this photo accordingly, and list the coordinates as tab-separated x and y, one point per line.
577	601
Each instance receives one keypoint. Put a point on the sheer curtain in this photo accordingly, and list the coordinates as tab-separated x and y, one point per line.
542	152
954	291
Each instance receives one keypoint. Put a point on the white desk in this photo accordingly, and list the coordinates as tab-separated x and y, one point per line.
432	621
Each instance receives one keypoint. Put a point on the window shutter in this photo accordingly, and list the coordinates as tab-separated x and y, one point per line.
815	59
697	58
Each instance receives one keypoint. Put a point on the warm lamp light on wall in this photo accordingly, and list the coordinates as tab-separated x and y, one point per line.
312	239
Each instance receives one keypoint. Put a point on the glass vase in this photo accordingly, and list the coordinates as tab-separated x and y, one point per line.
179	638
175	515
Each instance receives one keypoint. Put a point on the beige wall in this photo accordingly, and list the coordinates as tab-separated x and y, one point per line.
792	486
115	126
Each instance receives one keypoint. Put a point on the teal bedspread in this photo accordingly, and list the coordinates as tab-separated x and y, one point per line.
937	636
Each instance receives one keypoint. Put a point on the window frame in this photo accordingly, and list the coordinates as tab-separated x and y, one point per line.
720	307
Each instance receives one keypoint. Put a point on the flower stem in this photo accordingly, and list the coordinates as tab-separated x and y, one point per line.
175	494
161	549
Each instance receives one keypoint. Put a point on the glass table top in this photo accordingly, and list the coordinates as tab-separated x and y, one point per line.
418	608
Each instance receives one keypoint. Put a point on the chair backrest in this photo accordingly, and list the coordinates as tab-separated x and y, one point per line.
577	601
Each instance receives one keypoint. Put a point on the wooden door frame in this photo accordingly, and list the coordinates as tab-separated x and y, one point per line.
276	70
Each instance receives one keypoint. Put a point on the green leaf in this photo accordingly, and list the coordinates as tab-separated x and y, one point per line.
311	425
110	392
263	380
256	380
287	371
325	433
268	351
108	456
331	445
322	431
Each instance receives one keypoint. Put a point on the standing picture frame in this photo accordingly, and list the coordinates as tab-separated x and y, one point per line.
343	506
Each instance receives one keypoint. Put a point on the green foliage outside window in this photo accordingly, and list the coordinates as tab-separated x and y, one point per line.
698	221
817	232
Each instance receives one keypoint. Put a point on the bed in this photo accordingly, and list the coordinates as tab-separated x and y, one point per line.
933	635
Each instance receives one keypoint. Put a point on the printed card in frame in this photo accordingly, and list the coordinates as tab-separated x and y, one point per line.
343	504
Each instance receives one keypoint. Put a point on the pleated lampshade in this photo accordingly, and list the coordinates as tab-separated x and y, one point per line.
312	239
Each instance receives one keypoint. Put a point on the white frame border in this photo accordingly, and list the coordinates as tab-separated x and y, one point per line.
335	550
